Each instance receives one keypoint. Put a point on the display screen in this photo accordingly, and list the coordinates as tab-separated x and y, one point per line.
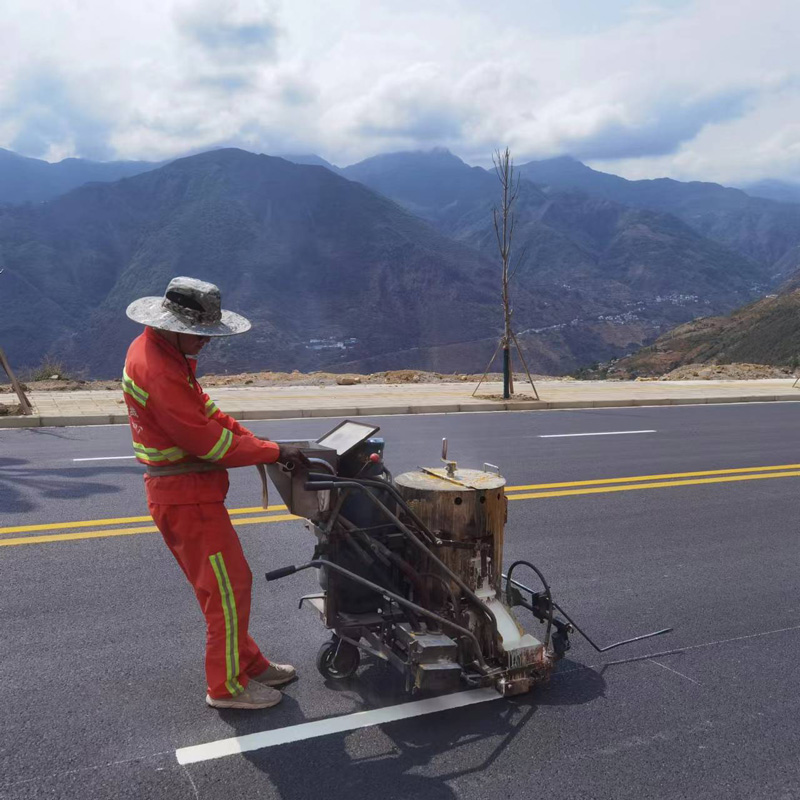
347	435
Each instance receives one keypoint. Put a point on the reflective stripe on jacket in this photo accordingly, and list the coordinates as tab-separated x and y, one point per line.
173	420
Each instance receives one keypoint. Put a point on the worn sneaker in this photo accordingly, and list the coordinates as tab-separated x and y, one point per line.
255	695
276	675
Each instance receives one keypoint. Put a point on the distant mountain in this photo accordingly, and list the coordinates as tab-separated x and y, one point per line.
327	269
619	275
782	191
31	180
312	160
430	183
763	230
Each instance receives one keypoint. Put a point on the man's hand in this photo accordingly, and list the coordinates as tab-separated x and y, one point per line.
292	455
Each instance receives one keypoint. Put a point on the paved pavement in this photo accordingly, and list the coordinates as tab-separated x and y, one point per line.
102	659
282	402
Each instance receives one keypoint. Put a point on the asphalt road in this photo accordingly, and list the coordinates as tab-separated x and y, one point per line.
102	641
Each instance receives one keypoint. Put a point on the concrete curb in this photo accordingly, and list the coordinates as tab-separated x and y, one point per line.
442	408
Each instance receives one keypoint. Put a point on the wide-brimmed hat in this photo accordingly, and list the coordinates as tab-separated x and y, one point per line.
188	306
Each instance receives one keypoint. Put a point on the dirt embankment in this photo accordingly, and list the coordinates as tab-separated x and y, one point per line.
725	372
288	379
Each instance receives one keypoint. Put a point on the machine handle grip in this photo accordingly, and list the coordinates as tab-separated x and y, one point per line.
280	573
317	486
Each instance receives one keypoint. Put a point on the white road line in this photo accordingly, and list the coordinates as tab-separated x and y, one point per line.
599	433
103	458
325	727
669	669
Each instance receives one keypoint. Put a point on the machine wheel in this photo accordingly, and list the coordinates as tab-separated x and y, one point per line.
337	660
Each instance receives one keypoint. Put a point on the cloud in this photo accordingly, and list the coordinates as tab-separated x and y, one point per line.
46	111
646	87
413	105
230	30
663	128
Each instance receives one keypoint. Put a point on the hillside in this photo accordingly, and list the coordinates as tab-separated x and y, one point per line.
764	332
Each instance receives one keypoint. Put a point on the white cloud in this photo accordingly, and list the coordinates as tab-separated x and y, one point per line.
689	89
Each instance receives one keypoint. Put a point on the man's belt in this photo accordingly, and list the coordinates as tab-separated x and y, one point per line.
192	466
182	469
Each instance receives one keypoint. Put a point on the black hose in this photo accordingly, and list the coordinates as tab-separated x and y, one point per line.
547	592
582	632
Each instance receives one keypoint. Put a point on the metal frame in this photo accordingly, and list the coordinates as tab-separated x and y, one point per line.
366	634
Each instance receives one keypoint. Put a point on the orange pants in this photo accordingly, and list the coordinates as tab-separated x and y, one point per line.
208	550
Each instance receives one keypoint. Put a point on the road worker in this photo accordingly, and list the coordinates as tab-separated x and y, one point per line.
187	444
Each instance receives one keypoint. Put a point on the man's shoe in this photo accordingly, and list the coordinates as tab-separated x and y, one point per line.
276	675
256	695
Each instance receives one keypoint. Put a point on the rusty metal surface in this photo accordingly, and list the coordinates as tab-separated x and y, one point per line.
436	479
300	501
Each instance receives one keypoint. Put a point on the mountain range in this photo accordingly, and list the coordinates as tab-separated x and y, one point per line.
31	180
387	263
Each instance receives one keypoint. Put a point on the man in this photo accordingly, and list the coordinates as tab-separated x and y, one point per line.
187	443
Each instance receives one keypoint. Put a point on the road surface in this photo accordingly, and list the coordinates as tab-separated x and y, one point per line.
102	667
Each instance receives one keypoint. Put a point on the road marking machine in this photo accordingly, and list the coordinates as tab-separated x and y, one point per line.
410	569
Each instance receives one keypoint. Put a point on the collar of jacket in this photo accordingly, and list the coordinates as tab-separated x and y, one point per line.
172	351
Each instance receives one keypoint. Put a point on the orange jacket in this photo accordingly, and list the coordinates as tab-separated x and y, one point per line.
173	421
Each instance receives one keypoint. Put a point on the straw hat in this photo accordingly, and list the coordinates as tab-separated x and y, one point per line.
188	306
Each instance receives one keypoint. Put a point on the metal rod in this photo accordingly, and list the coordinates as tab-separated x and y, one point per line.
506	370
25	405
585	635
401	601
488	367
384	486
524	364
378	549
546	591
360	485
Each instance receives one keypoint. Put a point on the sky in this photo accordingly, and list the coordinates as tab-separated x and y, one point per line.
689	89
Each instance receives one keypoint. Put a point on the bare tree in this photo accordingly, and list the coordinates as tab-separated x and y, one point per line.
504	219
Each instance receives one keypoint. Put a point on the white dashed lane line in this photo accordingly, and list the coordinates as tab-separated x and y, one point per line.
596	433
104	458
541	436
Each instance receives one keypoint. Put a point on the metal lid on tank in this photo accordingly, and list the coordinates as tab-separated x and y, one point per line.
436	479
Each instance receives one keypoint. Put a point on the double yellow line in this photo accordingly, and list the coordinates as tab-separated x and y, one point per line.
103	528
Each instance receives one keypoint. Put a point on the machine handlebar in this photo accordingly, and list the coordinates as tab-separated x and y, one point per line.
280	573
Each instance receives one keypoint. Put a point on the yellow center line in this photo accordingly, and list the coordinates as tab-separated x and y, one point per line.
564	489
91	523
71	537
665	485
664	476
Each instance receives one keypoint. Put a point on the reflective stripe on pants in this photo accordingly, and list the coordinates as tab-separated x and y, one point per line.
208	551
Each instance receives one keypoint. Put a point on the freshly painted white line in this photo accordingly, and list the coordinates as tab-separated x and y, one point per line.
325	727
599	433
103	458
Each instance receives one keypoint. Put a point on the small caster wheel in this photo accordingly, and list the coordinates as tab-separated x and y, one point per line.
337	660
